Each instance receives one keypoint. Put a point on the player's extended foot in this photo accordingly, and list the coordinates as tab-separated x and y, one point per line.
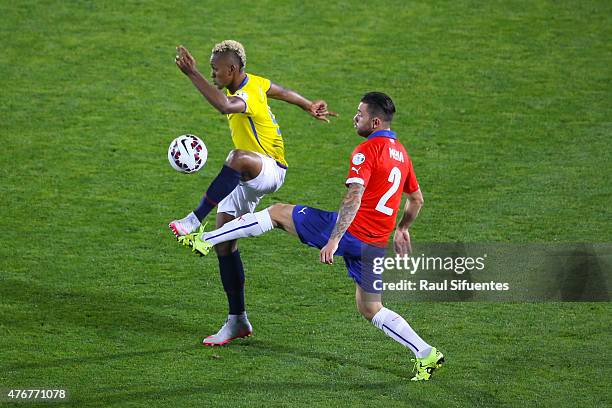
184	226
195	242
235	327
425	367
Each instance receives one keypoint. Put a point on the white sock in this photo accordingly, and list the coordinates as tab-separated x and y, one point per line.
399	330
191	220
248	225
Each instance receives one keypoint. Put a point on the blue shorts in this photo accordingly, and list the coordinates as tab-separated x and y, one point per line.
314	227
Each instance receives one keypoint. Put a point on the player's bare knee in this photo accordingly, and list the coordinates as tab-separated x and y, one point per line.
248	164
366	313
369	309
275	211
280	214
237	159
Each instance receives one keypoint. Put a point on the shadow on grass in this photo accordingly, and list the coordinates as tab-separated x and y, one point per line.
94	359
275	390
99	310
476	397
403	372
109	312
238	393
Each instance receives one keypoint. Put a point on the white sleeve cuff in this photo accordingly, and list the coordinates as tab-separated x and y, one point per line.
355	180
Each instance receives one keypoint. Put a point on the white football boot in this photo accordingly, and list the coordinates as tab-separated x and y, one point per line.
185	226
235	327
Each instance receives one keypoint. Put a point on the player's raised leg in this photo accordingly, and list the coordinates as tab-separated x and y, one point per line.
239	165
247	225
427	358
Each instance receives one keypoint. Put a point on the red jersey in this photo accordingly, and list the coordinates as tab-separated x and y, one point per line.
382	165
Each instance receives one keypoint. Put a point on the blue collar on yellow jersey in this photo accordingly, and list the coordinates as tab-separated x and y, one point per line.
383	133
243	83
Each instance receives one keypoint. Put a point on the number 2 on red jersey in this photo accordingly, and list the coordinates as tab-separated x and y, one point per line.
395	177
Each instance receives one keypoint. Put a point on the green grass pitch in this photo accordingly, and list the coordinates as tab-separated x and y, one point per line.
504	106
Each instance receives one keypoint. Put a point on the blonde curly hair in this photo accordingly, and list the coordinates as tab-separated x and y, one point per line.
233	46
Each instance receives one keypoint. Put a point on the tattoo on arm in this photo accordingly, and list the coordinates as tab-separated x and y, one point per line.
348	209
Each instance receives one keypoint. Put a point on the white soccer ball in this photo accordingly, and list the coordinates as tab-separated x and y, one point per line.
187	154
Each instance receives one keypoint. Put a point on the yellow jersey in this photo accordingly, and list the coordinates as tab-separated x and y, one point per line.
256	129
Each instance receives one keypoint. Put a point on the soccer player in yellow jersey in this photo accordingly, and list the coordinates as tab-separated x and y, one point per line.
256	166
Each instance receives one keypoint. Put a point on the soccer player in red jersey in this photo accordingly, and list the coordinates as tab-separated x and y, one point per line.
380	171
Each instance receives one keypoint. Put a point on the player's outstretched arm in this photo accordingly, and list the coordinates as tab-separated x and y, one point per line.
317	109
187	65
401	238
346	215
